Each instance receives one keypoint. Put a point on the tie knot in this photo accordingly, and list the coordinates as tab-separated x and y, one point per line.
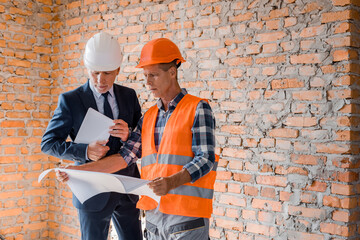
105	94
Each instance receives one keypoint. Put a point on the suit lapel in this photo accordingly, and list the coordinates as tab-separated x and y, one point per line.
87	97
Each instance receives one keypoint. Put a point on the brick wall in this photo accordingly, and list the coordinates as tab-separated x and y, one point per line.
282	78
25	80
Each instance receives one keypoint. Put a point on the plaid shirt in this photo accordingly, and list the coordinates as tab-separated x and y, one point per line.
203	141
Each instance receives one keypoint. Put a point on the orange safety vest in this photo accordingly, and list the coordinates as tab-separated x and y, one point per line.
190	199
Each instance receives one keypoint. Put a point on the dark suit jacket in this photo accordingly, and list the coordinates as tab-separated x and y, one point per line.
67	119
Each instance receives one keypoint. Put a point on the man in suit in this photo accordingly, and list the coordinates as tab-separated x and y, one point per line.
102	59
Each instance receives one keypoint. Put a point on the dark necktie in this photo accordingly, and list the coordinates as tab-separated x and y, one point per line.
107	108
108	112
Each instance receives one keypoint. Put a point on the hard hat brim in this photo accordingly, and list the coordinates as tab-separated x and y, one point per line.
152	62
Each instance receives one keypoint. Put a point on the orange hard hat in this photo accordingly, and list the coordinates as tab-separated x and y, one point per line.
160	50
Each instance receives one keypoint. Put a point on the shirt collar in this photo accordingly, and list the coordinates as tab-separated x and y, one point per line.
97	94
173	103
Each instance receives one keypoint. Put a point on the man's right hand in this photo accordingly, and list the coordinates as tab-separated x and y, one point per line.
61	176
97	150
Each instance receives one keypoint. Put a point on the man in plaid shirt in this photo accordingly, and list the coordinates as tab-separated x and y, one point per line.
178	123
203	142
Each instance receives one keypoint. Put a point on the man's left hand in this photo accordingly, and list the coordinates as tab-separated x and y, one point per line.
160	186
120	129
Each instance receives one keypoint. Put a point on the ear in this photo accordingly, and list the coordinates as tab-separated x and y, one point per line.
118	70
173	71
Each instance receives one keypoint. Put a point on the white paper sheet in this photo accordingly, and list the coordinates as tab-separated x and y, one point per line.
85	184
94	127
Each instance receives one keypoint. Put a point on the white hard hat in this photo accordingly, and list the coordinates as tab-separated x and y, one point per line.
102	53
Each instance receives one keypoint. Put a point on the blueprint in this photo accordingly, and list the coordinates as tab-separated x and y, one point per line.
86	184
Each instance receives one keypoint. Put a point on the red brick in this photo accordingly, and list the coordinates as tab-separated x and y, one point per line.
268	193
336	229
248	214
271	180
234	188
270	48
332	148
317	186
73	21
232	200
233	129
14	10
19	63
156	27
271	156
211	21
297	170
232	213
293	235
301	121
347	176
307	58
286	83
133	29
331	201
342	189
271	60
181	25
307	95
241	177
241	17
236	153
261	229
307	212
290	21
222	175
73	38
308	159
273	24
284	132
341	216
270	37
344	94
247	61
344	54
312	31
340	42
11	212
253	49
251	191
229	224
93	18
339	16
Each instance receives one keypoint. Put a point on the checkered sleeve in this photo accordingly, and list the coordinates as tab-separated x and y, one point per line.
131	150
203	142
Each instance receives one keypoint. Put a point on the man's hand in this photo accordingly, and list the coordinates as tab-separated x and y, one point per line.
120	129
97	150
160	186
61	176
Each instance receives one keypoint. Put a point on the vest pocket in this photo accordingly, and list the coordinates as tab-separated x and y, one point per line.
151	228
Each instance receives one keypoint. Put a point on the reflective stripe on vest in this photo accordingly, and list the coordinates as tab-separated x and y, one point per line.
171	159
175	151
193	191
